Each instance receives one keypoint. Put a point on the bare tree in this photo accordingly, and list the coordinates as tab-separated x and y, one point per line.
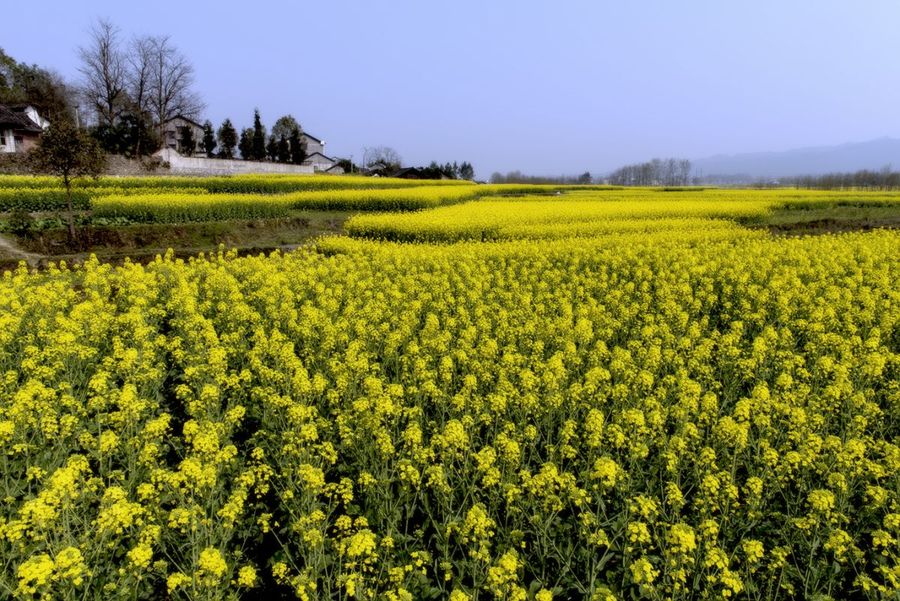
171	83
684	171
140	69
104	72
382	158
657	172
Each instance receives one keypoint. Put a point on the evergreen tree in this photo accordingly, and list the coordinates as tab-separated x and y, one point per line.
466	171
298	149
347	165
258	148
272	149
245	146
284	150
137	136
209	139
186	140
228	139
433	171
131	135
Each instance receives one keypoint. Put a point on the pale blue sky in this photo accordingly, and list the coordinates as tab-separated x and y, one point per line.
545	87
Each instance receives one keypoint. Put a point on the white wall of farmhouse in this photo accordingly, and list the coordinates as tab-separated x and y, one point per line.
7	141
312	146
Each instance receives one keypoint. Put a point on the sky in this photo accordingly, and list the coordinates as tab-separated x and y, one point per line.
543	87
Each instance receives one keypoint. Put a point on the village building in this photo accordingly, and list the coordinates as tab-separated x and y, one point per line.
171	134
20	128
315	155
319	161
312	144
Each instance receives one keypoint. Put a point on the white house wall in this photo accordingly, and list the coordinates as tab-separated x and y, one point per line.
10	145
312	147
36	118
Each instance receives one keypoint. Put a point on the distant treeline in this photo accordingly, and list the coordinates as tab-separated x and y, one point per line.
517	177
658	172
884	179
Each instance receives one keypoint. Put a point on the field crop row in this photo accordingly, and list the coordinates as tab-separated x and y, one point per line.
594	213
234	184
54	199
174	208
161	200
541	218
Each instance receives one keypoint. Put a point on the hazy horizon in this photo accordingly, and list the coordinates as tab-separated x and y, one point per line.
545	89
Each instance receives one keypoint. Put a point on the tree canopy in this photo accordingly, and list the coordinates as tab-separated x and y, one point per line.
285	126
30	84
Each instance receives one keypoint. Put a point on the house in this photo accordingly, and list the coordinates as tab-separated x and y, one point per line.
316	157
312	144
171	134
20	128
319	161
410	173
419	173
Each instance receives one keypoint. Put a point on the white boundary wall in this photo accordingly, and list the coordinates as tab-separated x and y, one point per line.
195	165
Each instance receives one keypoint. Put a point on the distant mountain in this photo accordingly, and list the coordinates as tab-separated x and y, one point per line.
872	155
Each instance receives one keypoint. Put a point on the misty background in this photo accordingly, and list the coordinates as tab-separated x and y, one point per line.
545	88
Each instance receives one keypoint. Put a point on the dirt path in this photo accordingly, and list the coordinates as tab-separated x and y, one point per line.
11	249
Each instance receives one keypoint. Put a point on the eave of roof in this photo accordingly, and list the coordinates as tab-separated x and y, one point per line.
321	155
18	121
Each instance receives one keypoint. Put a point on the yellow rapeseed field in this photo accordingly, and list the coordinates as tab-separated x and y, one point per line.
593	213
180	207
661	404
167	207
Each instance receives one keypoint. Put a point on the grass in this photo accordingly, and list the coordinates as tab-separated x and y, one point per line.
822	220
142	242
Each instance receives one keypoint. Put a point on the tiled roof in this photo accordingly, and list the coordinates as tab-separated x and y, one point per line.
17	120
321	155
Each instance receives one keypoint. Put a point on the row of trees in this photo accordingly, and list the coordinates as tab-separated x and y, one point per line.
284	145
132	87
883	179
658	172
517	177
453	170
384	160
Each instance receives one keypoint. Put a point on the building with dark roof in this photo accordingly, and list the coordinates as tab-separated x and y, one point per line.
319	161
20	128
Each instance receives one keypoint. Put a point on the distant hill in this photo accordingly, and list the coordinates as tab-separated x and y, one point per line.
872	155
